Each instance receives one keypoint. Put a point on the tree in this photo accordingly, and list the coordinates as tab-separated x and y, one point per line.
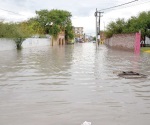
34	26
115	27
15	31
132	25
55	21
69	33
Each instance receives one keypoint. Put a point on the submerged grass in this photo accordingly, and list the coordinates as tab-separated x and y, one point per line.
145	49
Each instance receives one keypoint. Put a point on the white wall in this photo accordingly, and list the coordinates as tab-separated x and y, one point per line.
147	40
7	44
36	42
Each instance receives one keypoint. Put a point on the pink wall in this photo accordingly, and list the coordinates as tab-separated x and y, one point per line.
137	43
122	41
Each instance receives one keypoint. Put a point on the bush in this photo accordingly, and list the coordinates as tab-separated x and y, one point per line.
14	31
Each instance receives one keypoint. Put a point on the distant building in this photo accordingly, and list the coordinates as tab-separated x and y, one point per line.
78	32
60	40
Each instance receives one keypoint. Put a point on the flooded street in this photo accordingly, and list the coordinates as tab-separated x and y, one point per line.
67	85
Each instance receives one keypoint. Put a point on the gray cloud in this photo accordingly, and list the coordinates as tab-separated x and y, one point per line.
77	8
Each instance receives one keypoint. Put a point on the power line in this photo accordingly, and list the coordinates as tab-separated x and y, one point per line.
11	12
133	5
118	5
98	14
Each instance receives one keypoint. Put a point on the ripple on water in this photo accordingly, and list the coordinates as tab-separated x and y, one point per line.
71	84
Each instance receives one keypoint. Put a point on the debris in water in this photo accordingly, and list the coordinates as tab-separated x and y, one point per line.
131	75
86	123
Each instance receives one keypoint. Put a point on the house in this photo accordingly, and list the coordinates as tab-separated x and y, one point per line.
60	40
78	31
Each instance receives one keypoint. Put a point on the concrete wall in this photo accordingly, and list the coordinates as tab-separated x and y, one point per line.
147	40
60	40
7	44
36	42
121	41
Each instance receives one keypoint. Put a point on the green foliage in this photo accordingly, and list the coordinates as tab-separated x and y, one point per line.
34	26
134	24
55	21
69	33
115	27
14	30
94	38
18	32
50	22
8	30
54	30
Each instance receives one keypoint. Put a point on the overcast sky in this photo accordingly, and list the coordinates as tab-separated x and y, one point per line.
82	11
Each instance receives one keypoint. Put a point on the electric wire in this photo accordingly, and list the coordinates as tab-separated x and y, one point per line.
132	5
12	12
119	5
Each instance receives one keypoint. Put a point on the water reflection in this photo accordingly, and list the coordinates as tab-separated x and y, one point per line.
71	84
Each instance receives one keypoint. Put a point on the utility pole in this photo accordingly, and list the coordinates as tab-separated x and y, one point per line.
99	25
98	14
96	25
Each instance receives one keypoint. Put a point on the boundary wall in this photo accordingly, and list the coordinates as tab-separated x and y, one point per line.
35	42
9	44
122	41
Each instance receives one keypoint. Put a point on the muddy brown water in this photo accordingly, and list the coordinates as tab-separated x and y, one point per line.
70	84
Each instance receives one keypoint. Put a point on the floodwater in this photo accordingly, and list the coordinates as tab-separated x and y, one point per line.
67	85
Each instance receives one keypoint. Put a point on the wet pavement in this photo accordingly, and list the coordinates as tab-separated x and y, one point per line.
67	85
